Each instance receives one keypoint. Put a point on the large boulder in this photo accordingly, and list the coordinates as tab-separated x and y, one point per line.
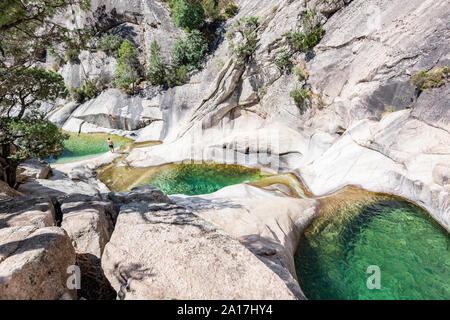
27	211
172	253
268	222
34	263
88	221
33	169
6	192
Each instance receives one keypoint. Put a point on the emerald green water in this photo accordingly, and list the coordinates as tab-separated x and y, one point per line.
411	250
85	146
183	178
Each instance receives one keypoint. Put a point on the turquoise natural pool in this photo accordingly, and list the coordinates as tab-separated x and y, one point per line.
84	146
181	178
411	250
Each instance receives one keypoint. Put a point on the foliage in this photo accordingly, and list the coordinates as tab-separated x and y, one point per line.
27	30
128	69
230	10
26	88
301	72
32	136
176	76
311	34
188	14
160	73
88	91
243	46
157	69
71	55
301	97
431	79
282	60
190	50
109	43
211	9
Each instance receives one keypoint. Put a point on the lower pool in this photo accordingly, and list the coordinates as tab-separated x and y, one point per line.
183	178
411	250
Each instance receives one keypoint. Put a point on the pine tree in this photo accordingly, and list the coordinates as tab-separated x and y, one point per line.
128	69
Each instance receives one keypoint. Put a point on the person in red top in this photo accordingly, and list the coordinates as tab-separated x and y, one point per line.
111	145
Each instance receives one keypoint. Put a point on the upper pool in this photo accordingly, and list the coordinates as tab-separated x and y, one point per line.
182	178
411	250
87	145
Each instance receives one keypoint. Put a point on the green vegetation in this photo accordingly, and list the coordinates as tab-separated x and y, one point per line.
190	50
89	90
282	60
25	35
243	47
188	14
302	97
24	133
301	72
128	70
160	73
157	69
230	10
109	43
431	79
311	34
71	55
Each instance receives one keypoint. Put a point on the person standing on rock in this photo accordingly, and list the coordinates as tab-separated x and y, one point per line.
111	145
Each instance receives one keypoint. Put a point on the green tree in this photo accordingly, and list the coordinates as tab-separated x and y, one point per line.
157	69
188	14
27	30
128	69
24	132
190	50
109	43
243	38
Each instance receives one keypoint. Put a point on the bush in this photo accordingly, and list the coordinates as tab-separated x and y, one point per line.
71	55
211	9
243	49
190	50
431	79
282	60
109	43
188	14
128	67
230	10
311	35
176	76
89	90
302	97
301	72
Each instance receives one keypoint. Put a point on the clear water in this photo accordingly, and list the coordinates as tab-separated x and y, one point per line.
411	250
184	178
87	145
